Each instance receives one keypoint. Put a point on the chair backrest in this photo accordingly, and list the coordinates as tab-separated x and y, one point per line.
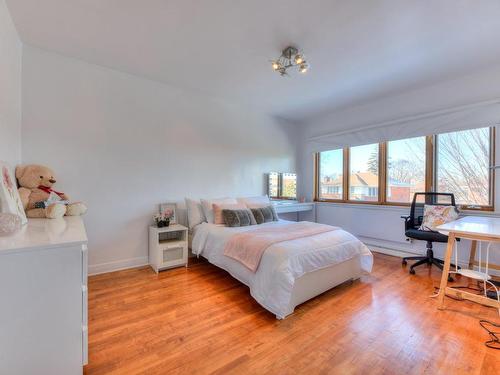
421	199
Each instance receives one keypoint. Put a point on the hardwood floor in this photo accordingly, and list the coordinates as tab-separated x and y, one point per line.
202	321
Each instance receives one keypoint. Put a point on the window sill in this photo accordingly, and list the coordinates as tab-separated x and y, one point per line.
401	208
364	206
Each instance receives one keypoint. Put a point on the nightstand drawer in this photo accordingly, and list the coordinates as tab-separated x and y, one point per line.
172	253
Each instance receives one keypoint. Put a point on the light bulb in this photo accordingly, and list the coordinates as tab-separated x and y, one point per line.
276	65
299	59
303	67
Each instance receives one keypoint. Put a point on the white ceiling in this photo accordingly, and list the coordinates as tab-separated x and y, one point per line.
358	50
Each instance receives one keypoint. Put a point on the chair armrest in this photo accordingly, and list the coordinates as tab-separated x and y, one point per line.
407	221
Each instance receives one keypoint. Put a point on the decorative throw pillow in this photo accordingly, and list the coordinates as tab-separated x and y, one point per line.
435	215
194	213
207	206
237	218
219	207
264	214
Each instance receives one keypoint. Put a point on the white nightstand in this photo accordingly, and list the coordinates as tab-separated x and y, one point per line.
168	247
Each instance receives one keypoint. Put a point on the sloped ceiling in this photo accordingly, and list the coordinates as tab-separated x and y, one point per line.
358	50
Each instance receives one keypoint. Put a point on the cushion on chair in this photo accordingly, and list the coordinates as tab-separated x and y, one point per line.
426	235
436	215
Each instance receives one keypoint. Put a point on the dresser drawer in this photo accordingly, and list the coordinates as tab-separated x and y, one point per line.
85	257
85	299
85	344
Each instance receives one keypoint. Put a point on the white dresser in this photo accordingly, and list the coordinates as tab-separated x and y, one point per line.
43	298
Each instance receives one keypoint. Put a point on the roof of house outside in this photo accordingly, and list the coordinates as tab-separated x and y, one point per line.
362	179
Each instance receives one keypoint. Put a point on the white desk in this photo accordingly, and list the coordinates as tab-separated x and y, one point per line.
283	207
475	229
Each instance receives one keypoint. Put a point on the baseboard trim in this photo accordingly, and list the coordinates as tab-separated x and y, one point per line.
402	254
96	269
393	252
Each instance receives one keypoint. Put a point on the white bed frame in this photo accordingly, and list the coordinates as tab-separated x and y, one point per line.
317	282
314	283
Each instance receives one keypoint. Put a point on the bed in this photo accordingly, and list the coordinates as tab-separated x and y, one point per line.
290	272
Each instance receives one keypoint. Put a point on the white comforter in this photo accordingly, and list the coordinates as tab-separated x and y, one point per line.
282	263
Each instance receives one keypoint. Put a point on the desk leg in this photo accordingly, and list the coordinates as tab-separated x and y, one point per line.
446	270
472	256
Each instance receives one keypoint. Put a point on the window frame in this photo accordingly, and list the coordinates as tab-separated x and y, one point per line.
429	167
317	185
430	175
347	173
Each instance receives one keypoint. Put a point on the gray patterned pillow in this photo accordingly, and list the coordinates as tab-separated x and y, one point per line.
237	218
264	214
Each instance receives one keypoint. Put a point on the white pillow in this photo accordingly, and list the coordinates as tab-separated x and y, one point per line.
254	202
194	213
208	210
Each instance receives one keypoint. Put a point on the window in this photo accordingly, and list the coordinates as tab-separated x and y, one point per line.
391	172
405	169
363	174
463	161
331	167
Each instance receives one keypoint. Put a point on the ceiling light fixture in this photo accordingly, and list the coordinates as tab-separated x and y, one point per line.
290	57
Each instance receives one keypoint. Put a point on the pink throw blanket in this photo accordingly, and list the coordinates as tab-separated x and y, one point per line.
248	247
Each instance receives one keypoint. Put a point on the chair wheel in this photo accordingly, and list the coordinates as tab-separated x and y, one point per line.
412	271
404	262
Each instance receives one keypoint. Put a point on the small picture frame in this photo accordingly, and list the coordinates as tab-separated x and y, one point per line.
169	206
10	202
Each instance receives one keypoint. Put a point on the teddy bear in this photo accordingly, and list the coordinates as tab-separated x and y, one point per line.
38	197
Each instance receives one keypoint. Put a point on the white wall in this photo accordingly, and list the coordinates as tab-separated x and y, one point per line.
10	89
123	144
382	226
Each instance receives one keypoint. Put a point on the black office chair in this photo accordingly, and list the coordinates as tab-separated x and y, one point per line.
414	221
